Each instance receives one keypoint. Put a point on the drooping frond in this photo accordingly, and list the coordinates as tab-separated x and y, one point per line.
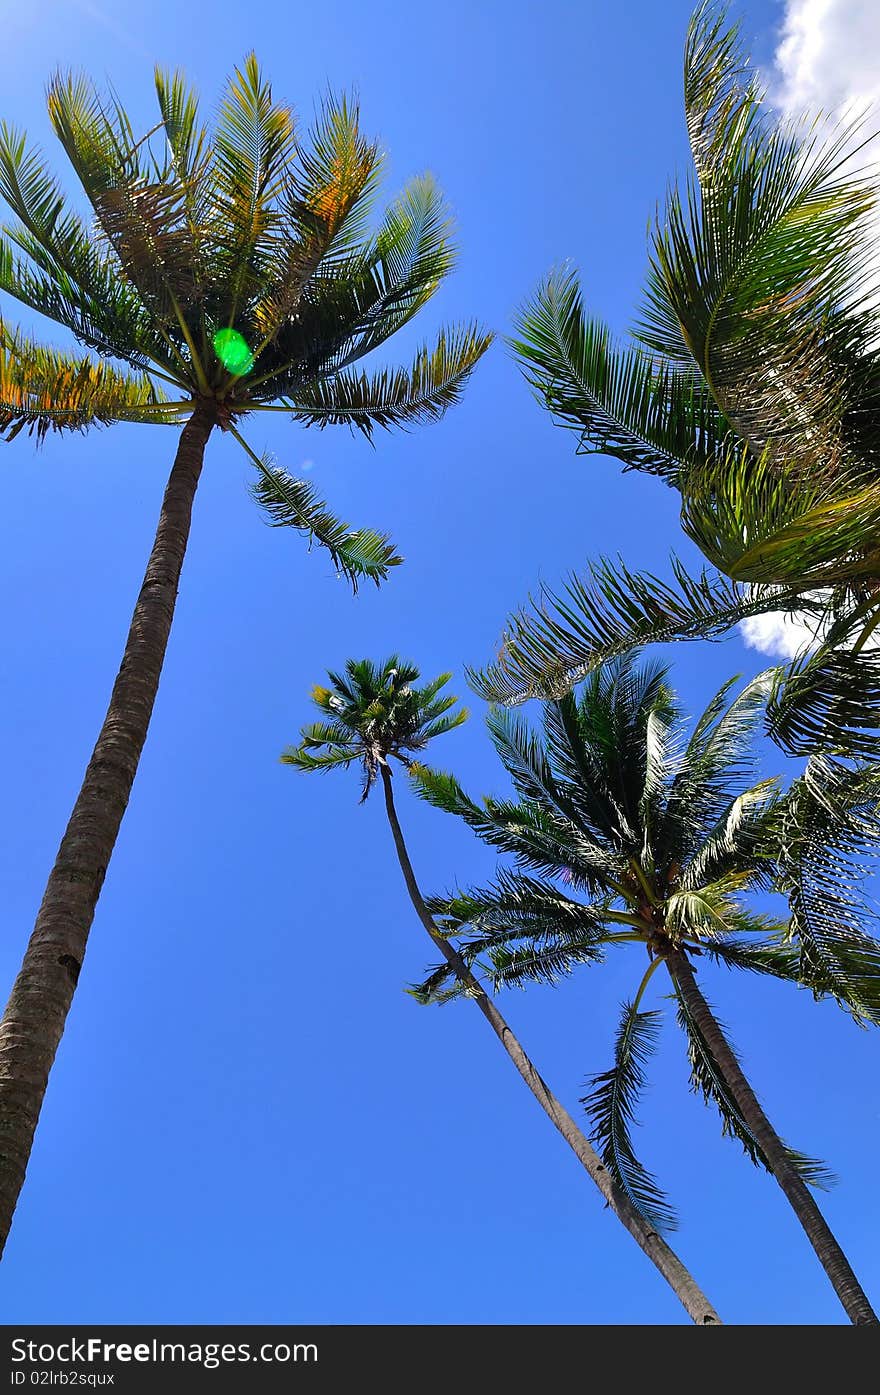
518	906
611	1106
708	1080
292	503
50	263
774	956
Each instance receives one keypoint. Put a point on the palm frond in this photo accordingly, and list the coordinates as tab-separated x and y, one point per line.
253	142
827	835
609	612
394	397
140	214
611	1106
43	390
649	414
708	1080
757	269
829	700
291	503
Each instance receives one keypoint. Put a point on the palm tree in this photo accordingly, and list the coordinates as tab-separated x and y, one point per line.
625	833
373	714
752	386
226	272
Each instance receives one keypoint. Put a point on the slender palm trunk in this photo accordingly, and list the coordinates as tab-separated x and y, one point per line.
694	1301
33	1022
830	1255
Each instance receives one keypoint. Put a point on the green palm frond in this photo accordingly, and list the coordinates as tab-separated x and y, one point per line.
756	265
707	1079
611	1105
43	390
330	305
826	839
518	906
546	963
651	415
323	746
536	836
139	213
291	503
609	612
336	176
394	397
774	956
757	524
714	908
62	274
253	143
830	700
737	840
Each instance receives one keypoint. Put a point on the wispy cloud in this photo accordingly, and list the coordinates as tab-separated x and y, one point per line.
780	636
827	56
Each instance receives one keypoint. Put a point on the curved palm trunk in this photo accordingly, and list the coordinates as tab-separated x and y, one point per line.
830	1255
35	1015
694	1301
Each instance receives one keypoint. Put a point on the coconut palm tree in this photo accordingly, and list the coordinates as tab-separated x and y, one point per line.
752	386
372	715
623	833
218	273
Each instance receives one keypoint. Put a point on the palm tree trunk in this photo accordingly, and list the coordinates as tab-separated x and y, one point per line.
830	1255
33	1022
694	1301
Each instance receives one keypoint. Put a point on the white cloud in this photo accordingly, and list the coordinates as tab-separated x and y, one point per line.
780	636
827	55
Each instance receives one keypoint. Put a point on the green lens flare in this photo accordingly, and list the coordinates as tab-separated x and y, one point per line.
232	350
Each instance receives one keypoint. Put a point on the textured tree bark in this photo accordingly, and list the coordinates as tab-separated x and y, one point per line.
694	1301
33	1022
830	1255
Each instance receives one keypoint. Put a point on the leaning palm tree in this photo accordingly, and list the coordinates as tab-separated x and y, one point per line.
624	832
373	715
752	386
218	273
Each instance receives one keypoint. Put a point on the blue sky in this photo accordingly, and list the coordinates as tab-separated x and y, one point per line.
249	1120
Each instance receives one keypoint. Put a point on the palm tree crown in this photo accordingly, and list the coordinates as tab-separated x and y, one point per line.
374	712
231	268
752	385
624	830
